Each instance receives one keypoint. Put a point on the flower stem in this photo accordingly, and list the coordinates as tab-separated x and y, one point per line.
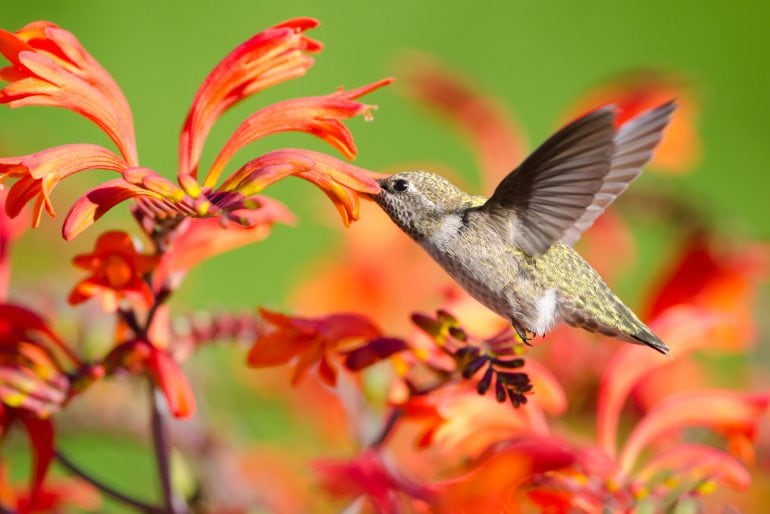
172	502
106	489
390	422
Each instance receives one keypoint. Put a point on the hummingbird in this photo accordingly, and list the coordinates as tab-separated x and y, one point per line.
513	251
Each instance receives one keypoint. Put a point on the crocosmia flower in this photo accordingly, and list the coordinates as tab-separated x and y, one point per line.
117	271
48	66
309	341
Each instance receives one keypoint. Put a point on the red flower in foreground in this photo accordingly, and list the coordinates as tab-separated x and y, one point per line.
369	475
50	67
308	341
117	270
35	381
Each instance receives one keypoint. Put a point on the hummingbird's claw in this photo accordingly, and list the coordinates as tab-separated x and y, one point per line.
522	333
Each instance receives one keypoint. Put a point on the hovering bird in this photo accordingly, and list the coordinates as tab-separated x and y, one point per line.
513	251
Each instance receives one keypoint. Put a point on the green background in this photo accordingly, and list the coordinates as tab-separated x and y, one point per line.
536	57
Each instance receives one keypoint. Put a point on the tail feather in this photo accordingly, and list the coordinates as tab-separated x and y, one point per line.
648	338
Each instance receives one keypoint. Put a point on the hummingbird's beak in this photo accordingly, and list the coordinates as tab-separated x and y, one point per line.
381	183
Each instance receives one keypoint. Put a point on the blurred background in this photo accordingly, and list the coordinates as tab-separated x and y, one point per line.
537	59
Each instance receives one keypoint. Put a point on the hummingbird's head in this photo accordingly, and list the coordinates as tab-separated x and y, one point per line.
417	200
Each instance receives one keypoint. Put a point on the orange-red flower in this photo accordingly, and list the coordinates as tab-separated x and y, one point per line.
35	381
117	271
40	172
309	341
49	67
275	55
370	475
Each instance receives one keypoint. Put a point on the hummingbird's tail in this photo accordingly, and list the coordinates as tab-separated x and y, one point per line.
646	336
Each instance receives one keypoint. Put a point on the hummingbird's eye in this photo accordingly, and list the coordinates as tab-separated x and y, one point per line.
400	185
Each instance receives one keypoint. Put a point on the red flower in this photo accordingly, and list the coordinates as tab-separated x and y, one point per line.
117	271
49	67
308	341
40	172
34	383
369	475
274	55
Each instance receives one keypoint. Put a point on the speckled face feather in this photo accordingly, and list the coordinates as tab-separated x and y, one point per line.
427	198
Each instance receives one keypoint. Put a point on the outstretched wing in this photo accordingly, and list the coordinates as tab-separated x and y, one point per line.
541	200
634	144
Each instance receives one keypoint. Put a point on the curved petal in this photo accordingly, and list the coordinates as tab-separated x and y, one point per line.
170	380
41	435
341	181
318	115
40	172
705	461
725	411
270	57
96	202
50	67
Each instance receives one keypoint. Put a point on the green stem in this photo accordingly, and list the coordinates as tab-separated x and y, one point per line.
160	439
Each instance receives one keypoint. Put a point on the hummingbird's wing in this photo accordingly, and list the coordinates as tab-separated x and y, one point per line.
537	203
634	143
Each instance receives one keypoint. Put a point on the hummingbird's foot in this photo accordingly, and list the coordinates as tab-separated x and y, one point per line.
522	333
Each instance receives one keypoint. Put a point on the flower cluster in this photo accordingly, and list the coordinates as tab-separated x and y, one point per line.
181	222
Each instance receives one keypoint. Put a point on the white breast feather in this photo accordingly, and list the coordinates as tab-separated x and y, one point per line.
546	312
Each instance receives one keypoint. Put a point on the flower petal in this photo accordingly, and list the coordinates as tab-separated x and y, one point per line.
270	57
725	411
40	172
168	377
277	348
491	484
318	115
704	461
50	67
41	435
96	202
343	182
373	352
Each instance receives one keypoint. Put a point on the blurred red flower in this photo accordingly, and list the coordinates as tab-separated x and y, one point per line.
309	341
633	93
